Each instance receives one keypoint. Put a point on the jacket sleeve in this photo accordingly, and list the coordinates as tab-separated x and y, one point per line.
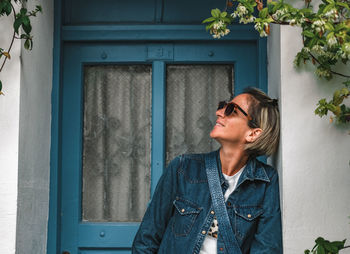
268	237
158	213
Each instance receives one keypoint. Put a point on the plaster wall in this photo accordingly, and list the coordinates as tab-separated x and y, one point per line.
9	121
35	135
314	154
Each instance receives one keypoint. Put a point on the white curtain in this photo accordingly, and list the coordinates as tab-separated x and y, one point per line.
193	93
117	148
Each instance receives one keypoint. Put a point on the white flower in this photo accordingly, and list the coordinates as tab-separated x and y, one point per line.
346	51
226	31
242	9
332	14
319	25
218	25
332	41
292	22
306	49
279	13
257	26
263	34
247	20
318	49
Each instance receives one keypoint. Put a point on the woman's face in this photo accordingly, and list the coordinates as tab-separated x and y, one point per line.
232	129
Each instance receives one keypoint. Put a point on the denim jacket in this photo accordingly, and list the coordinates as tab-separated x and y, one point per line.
180	212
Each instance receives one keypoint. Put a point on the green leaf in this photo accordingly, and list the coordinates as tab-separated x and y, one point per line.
23	11
319	240
27	44
249	8
17	24
327	8
210	19
345	5
264	12
7	8
0	85
223	14
308	34
321	250
27	27
215	13
39	8
330	1
329	26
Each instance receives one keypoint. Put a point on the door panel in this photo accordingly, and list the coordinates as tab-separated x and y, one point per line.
103	193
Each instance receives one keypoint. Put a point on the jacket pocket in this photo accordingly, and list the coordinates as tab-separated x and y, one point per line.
185	215
247	218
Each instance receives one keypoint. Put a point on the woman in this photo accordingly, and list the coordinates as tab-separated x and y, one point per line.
185	214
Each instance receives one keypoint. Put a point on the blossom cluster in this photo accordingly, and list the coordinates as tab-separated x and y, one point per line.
243	14
219	29
319	25
261	27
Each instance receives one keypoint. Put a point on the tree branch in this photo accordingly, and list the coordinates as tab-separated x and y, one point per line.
333	72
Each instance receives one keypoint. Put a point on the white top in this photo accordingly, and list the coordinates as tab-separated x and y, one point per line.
209	245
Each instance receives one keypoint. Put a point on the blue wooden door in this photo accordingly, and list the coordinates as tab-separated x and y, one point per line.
90	235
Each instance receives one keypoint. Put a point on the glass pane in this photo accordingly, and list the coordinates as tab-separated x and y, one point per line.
193	92
116	142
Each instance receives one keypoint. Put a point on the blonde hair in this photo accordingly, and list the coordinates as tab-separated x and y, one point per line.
265	114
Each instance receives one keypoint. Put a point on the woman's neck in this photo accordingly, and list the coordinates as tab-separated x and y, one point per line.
232	160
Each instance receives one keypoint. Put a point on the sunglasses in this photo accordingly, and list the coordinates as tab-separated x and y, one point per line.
232	107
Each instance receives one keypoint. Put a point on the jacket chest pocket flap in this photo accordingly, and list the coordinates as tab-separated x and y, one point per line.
249	213
185	215
247	219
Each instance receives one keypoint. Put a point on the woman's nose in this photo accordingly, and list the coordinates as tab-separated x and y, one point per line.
220	112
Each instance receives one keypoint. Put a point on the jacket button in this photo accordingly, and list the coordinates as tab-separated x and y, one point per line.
229	203
182	210
221	249
249	215
212	212
204	232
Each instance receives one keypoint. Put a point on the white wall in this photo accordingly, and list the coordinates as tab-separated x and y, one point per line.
35	135
314	154
9	119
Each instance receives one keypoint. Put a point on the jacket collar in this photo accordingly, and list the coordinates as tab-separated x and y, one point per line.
253	170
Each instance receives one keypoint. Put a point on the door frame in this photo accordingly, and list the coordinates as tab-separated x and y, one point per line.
114	33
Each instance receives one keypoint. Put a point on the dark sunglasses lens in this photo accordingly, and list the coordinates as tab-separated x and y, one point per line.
229	109
221	105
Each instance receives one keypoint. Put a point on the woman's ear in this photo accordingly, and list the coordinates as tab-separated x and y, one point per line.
253	135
